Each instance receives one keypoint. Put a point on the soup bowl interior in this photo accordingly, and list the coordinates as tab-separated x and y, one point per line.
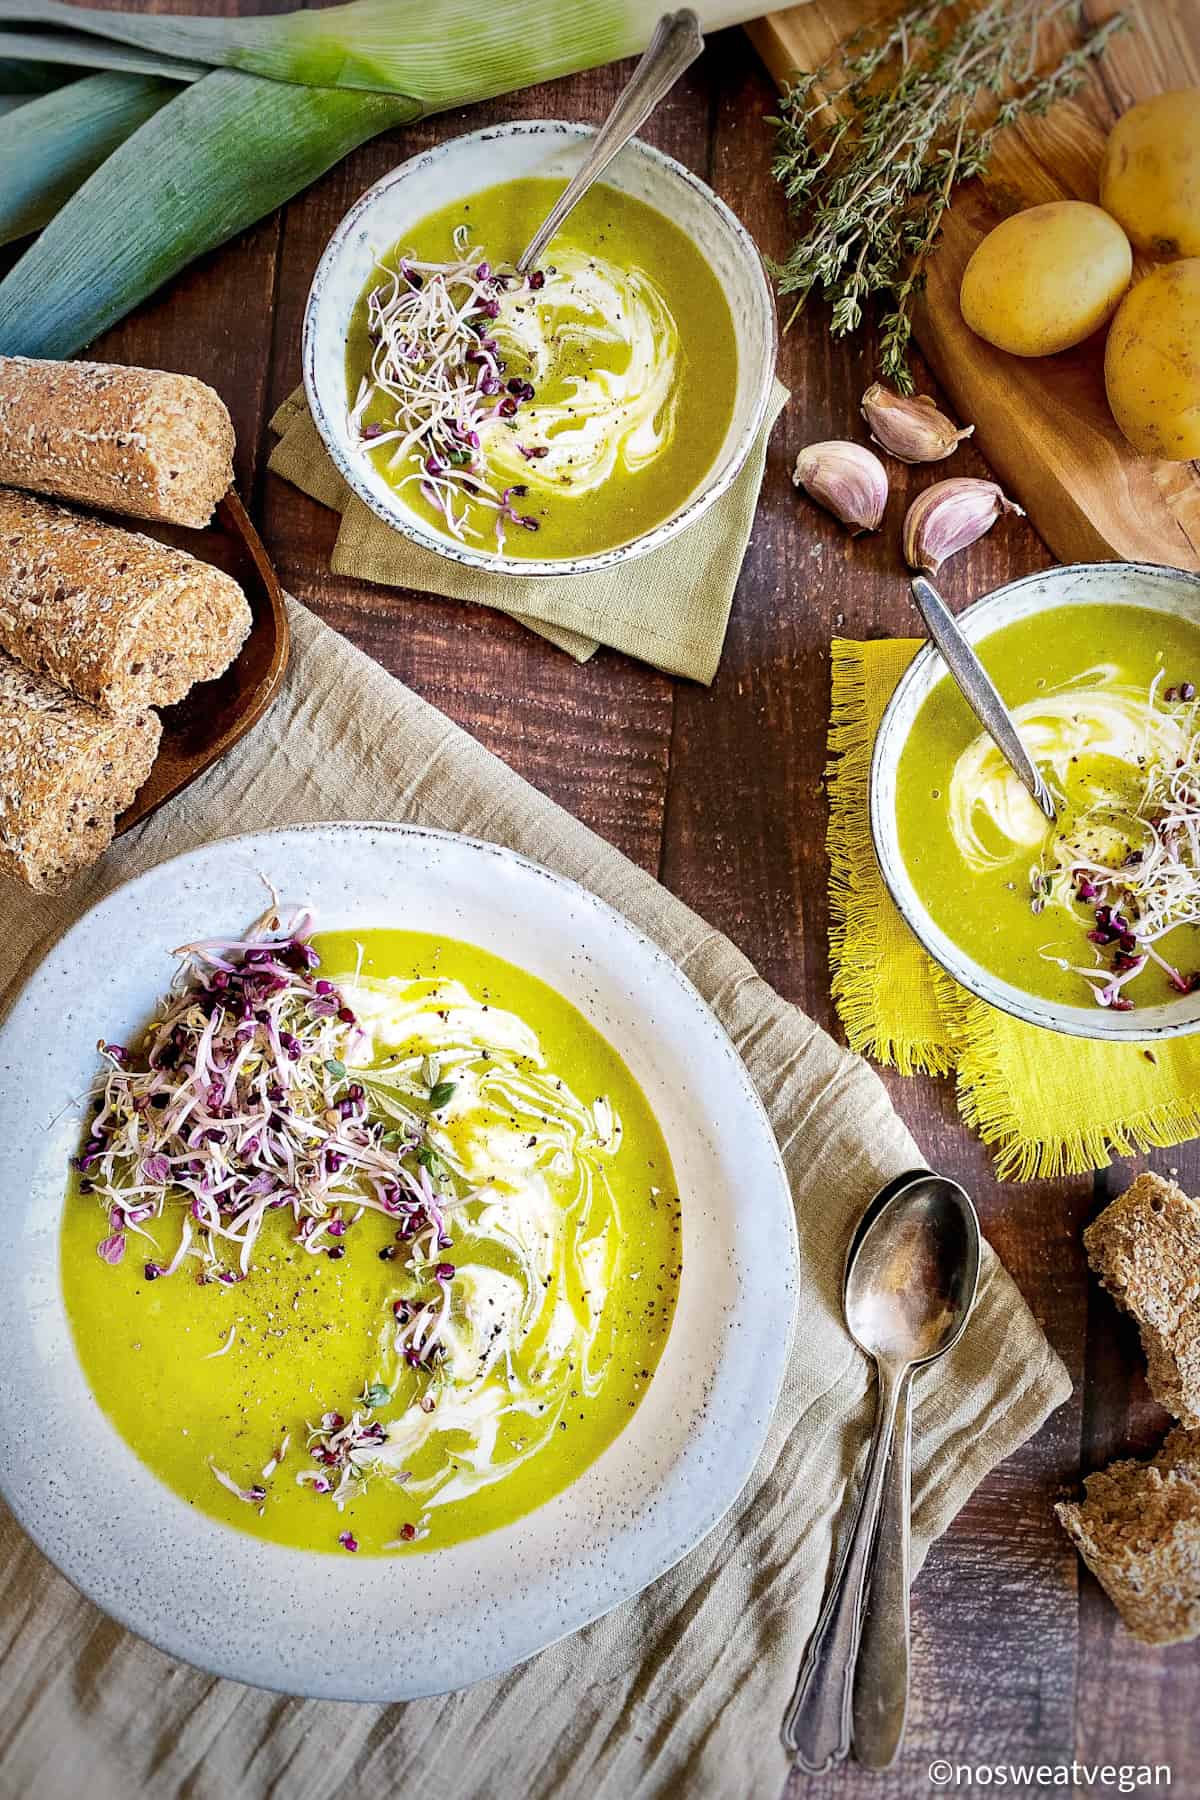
463	167
370	1628
1143	585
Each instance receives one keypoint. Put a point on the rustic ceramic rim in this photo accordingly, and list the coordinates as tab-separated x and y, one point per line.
379	1629
989	613
406	522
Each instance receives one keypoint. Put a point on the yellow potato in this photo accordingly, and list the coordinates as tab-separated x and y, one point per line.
1150	175
1152	362
1046	278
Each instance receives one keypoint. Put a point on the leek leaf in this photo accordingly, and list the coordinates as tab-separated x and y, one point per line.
88	52
211	162
60	138
441	52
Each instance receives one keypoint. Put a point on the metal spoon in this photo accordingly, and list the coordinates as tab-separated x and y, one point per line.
675	45
979	691
909	1286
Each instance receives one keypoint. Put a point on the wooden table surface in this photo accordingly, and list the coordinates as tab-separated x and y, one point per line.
1018	1656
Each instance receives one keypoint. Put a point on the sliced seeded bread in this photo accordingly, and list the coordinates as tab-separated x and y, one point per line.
1145	1248
1138	1530
121	621
66	771
136	441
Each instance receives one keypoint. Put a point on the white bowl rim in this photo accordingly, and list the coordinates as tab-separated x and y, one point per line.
406	522
604	1585
1097	1024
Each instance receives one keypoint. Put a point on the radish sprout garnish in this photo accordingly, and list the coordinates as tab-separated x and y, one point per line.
237	1102
437	368
1135	871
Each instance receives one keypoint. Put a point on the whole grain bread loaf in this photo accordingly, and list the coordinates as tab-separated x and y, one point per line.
136	441
1138	1530
1145	1248
66	771
120	620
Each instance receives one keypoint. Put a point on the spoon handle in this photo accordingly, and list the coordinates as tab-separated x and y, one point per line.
816	1726
675	45
881	1676
978	691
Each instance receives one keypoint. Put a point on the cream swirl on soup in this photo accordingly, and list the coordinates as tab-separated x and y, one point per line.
620	411
990	813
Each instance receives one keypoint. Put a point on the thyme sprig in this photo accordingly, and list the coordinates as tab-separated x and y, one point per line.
872	145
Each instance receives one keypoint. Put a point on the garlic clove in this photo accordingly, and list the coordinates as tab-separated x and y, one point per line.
848	479
950	515
911	429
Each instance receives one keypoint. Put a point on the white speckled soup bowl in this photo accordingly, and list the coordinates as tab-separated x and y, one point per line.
465	166
390	1628
1076	584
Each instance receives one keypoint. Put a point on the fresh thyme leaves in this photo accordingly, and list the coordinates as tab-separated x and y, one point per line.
872	145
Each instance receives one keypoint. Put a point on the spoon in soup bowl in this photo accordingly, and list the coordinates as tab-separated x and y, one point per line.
675	45
911	1274
980	692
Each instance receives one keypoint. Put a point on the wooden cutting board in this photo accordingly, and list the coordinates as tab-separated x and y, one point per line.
1043	424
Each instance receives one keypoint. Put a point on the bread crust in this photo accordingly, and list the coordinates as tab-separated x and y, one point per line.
66	771
136	441
1145	1248
120	620
1138	1530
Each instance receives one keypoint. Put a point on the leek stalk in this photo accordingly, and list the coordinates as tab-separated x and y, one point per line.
208	164
84	52
289	95
440	52
60	138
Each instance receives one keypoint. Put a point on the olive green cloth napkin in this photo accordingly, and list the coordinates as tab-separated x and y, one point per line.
669	607
680	1691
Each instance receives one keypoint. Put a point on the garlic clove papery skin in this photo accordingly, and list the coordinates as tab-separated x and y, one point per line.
847	479
912	429
949	516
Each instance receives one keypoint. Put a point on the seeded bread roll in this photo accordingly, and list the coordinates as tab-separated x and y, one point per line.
1145	1248
66	771
121	621
135	441
1138	1530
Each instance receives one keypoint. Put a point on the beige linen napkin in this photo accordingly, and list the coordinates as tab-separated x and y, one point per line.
681	1690
669	607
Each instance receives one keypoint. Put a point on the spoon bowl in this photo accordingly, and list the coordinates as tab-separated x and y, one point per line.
911	1277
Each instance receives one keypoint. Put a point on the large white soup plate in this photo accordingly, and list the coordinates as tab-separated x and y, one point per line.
372	1628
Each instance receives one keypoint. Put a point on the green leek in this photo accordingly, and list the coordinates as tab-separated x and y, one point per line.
289	96
210	163
60	138
440	52
81	51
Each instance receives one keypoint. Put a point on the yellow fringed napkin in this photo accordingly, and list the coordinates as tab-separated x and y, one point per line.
669	607
1049	1105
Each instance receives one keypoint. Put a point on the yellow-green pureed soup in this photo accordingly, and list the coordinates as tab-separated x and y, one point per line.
1099	906
563	1260
614	369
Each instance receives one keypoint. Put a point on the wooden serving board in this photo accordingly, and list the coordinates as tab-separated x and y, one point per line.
1043	424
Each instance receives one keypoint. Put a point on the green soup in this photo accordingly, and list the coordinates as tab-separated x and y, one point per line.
566	1263
1097	695
627	344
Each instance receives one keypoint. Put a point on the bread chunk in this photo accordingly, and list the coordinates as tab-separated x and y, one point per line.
136	441
66	771
1138	1531
123	622
1145	1248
